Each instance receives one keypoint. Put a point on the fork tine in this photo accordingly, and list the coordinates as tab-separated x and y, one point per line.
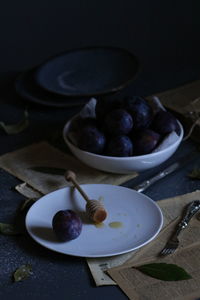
167	251
172	250
164	251
173	241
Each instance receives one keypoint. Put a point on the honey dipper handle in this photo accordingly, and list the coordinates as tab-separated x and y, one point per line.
71	176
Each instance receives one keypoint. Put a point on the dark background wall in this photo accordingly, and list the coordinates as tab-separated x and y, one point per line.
164	35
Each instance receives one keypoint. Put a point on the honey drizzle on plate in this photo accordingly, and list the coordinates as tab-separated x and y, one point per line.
115	224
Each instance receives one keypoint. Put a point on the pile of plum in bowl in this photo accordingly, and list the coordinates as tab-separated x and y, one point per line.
123	136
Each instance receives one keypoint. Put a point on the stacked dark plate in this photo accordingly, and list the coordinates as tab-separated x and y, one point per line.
73	77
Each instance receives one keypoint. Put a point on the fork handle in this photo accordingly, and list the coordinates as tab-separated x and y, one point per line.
191	210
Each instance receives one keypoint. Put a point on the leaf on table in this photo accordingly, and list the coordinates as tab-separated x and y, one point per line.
22	273
17	127
164	271
8	229
49	170
195	174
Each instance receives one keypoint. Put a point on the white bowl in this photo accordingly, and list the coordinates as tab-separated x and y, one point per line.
122	165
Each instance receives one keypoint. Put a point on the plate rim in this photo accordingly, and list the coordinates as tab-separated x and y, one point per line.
156	206
23	92
90	48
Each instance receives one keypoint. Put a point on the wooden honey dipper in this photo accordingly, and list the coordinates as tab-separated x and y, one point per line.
94	209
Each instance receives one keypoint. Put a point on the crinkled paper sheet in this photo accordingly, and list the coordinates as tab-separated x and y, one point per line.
20	163
171	208
139	286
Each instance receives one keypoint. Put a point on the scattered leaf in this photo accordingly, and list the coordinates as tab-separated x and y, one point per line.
22	273
18	127
8	229
195	174
164	271
49	170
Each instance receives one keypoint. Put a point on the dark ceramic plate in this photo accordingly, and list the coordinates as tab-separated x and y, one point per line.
88	71
27	88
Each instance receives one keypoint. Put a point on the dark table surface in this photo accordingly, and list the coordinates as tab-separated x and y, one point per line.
56	275
163	36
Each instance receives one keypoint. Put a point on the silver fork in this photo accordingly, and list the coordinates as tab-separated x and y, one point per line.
173	242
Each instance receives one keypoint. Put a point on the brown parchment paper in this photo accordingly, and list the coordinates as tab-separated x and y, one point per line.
171	209
185	102
27	191
19	162
139	286
179	98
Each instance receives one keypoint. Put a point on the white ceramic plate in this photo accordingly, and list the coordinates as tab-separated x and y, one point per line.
87	72
138	220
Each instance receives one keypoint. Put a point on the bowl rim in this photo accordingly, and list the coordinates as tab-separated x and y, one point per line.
138	157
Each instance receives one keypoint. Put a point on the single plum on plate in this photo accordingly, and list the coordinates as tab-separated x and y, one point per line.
145	141
120	146
91	139
164	122
67	225
118	122
140	110
106	105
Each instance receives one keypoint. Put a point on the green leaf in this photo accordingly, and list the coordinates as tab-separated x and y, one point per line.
18	127
164	271
8	229
22	273
49	170
195	174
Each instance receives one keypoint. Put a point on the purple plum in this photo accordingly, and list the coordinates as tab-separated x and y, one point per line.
91	139
164	122
67	225
140	110
118	122
120	145
145	141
